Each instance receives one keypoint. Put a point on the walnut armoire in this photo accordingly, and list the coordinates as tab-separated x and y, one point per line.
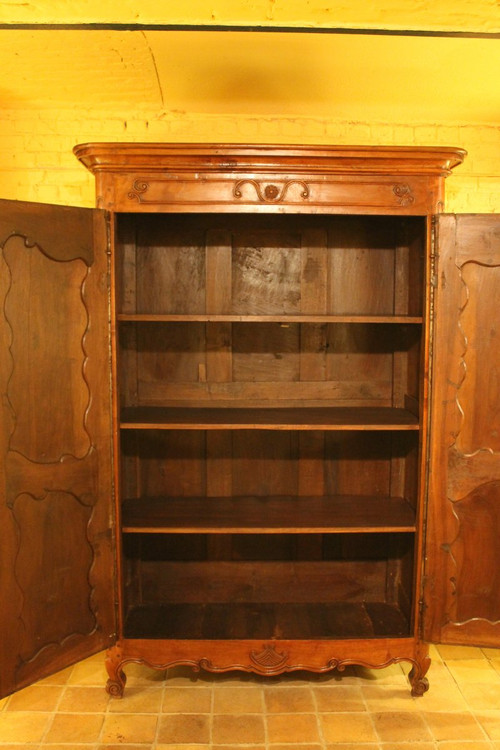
250	414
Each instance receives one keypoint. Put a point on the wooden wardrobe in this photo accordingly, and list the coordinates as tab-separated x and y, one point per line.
250	414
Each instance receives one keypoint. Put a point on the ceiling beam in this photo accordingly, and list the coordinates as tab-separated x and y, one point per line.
245	28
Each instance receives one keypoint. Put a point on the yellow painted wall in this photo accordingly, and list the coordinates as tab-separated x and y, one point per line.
36	162
36	138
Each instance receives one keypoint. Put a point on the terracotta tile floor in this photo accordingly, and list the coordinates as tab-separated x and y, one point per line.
363	709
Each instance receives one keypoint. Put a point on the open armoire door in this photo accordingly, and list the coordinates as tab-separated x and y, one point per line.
56	562
462	570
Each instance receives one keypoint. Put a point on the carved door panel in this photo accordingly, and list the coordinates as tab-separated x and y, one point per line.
56	559
462	572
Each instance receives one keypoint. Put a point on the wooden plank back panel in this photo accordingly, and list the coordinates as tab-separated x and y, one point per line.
265	265
218	270
314	271
357	464
198	363
172	463
266	352
311	468
263	581
125	264
361	267
191	463
170	269
360	353
266	464
416	233
266	276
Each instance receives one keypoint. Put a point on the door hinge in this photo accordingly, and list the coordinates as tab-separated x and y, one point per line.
422	606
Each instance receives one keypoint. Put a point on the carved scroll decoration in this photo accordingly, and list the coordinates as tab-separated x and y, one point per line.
271	193
139	188
268	193
116	661
404	194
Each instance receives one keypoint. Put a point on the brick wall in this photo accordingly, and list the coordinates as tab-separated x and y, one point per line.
37	164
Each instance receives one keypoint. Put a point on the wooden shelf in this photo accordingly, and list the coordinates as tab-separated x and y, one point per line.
230	318
262	515
262	620
300	418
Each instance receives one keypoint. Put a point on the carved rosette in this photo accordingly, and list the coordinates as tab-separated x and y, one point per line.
271	193
403	193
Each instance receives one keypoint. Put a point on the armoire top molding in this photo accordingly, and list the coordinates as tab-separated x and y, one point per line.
210	157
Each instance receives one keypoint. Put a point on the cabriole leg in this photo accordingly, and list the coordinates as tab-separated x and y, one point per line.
117	677
418	681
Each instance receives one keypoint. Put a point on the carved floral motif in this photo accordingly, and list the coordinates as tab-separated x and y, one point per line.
271	193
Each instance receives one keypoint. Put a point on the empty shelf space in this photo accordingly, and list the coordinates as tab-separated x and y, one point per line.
299	418
236	266
266	621
334	514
